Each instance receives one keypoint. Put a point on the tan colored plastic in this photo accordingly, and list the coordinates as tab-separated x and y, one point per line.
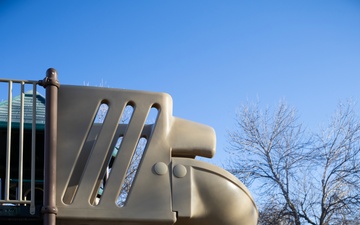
209	195
170	186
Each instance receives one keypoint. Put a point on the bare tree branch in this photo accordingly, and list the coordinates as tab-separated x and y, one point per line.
314	180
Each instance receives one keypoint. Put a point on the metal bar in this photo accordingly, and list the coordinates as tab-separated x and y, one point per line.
8	143
33	150
18	81
15	201
21	144
20	181
51	84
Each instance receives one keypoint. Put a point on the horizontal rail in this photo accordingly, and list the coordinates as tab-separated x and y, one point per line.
4	80
15	202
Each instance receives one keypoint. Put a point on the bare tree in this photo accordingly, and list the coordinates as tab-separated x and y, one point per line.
336	160
312	180
272	213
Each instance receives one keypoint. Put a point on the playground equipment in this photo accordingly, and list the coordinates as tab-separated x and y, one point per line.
94	173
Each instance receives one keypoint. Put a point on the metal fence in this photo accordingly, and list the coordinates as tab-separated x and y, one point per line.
15	119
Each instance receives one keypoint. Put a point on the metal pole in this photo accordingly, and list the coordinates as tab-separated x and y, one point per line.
33	151
8	144
21	143
51	84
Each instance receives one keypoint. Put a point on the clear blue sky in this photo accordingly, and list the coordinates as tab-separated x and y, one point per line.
209	55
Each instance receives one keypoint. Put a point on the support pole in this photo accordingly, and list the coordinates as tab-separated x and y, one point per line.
51	84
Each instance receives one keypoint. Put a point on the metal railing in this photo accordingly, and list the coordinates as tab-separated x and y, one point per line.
11	118
167	184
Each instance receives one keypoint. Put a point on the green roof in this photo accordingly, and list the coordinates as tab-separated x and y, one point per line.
28	111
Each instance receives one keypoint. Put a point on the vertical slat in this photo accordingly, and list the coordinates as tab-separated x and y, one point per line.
21	143
33	151
5	192
8	143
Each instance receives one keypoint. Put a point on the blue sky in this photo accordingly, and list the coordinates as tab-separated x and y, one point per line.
210	56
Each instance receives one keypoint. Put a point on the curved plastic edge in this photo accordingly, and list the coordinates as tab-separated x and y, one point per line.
210	195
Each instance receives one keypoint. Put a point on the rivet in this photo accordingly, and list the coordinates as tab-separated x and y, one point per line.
180	171
160	168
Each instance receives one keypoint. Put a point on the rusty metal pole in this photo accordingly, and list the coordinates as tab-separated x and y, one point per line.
51	84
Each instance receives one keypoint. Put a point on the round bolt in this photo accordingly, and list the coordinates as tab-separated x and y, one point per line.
180	171
160	168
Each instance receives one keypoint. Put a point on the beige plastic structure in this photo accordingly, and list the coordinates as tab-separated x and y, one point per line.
170	186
